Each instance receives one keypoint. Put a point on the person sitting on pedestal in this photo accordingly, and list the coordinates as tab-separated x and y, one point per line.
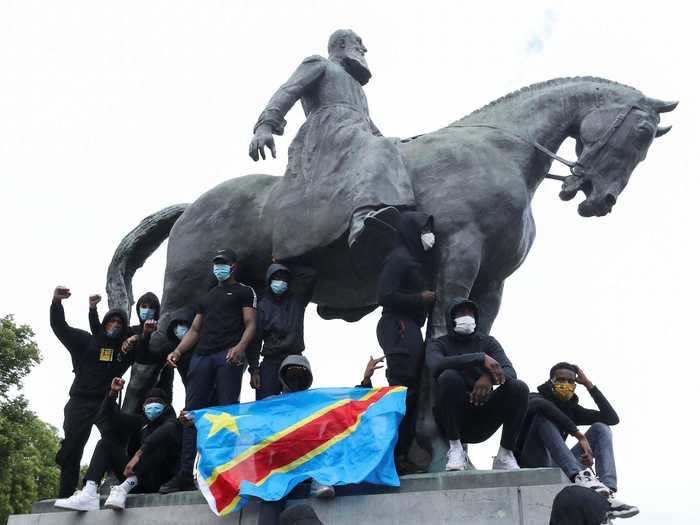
467	365
553	414
155	438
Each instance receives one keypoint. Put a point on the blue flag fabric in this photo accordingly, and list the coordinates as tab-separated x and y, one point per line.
335	435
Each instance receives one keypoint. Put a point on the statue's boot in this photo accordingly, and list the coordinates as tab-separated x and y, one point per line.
371	238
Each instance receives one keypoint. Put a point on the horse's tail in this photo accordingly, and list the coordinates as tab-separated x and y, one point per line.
133	251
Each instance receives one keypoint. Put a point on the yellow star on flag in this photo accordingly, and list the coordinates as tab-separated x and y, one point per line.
222	421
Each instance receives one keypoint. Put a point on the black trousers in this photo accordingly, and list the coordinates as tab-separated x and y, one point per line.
152	470
402	343
270	384
211	381
78	418
471	424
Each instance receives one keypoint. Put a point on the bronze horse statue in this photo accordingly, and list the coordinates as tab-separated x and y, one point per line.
477	177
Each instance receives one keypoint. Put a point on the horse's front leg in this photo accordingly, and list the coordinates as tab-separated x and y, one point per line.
488	296
458	266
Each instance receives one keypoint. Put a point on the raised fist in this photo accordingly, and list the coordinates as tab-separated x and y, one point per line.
94	299
61	292
150	326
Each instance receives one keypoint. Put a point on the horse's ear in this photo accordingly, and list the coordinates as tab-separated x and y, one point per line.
662	130
662	106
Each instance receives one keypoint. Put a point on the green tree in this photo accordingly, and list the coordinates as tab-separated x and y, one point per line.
28	446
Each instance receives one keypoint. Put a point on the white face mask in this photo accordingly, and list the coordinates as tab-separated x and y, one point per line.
427	240
465	325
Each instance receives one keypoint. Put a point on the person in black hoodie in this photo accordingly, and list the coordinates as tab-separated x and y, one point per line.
467	365
554	413
576	505
279	328
151	440
96	360
143	375
403	290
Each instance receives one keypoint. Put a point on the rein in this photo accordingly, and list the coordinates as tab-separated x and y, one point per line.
574	166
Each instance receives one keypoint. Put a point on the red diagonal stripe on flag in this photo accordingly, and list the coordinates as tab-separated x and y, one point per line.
289	448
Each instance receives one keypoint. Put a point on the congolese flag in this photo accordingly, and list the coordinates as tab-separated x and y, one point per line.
334	435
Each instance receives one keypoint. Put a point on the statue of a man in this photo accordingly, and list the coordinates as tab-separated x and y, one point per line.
340	166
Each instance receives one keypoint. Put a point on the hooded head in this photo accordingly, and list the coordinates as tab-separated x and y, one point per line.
115	324
412	224
456	318
277	279
155	403
148	307
295	374
180	323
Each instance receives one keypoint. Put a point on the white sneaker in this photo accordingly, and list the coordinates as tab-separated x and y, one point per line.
456	459
586	478
81	500
321	491
620	509
505	460
116	499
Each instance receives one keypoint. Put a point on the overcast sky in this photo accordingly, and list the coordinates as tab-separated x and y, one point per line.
109	112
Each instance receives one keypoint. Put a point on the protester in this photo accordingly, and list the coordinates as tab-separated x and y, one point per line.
222	329
553	414
180	323
577	505
302	514
279	325
403	290
143	375
147	309
467	365
294	376
96	360
154	439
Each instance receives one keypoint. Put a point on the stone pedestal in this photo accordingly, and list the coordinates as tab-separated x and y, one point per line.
475	497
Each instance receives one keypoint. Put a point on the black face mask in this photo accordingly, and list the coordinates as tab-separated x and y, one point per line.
296	379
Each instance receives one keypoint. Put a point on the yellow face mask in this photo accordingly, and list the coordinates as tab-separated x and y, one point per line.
563	391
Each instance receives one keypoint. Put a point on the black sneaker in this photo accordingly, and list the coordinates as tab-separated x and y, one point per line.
177	484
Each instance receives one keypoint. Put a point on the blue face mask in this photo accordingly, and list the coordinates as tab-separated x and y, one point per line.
222	272
113	333
153	410
147	314
278	287
180	330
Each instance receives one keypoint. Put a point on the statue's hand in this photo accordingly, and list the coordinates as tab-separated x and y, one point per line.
263	137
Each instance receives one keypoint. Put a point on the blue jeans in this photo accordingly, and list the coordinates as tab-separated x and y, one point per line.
544	447
211	381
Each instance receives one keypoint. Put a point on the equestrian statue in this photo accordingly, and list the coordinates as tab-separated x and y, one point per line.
477	178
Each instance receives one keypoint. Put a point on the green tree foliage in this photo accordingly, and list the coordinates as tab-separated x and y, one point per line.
28	446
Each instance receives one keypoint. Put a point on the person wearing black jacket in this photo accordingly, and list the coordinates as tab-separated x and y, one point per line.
553	414
96	360
151	440
403	290
279	328
466	365
143	375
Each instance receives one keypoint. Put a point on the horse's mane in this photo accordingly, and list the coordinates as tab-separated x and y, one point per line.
555	82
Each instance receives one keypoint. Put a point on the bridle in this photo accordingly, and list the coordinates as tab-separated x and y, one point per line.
580	166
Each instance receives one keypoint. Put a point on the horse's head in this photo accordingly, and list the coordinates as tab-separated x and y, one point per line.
610	142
